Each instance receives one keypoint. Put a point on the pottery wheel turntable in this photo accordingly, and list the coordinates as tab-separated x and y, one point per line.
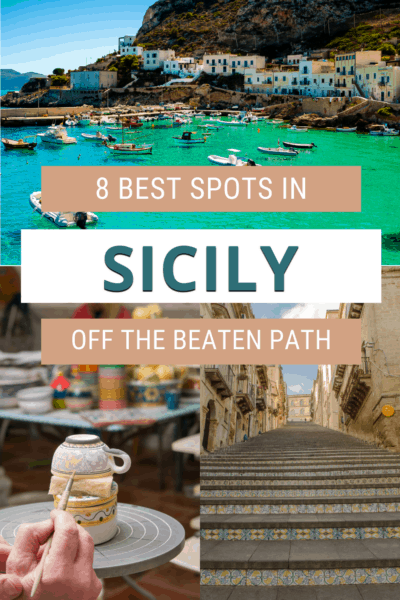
145	539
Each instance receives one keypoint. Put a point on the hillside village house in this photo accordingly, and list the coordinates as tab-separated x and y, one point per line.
357	73
346	66
181	66
93	80
155	59
126	46
238	400
379	81
312	78
364	400
229	64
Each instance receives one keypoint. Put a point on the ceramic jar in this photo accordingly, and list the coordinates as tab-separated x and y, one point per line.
97	515
89	457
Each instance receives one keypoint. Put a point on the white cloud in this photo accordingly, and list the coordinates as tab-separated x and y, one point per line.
309	311
297	389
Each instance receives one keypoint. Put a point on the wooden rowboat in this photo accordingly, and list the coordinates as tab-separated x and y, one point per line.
21	144
127	149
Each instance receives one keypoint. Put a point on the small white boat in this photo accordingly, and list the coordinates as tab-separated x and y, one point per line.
60	219
84	120
129	149
187	140
298	129
346	129
385	131
56	135
390	132
231	161
98	137
277	151
277	121
233	123
71	122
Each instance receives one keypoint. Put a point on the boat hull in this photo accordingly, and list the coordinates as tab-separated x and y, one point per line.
57	219
13	145
275	152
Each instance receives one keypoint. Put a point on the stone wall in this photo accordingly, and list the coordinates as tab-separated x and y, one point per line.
380	324
41	112
326	107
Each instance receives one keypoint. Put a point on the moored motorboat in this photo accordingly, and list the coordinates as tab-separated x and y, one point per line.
21	144
299	146
231	161
187	140
233	123
298	129
60	219
128	149
83	120
56	135
346	129
98	137
277	151
386	131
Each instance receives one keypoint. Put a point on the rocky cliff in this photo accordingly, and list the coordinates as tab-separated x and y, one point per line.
268	26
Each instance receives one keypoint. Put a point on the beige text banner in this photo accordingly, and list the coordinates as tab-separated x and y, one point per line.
201	189
201	341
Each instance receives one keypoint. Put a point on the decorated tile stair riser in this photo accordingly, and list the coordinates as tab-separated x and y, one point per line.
298	509
274	482
311	493
353	533
282	577
313	474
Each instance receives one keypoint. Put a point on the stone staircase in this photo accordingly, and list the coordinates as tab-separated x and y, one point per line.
300	513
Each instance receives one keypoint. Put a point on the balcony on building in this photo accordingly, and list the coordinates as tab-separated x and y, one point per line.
262	374
245	396
221	378
219	311
261	399
353	310
357	389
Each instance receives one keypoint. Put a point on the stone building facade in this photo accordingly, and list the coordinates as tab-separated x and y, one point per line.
299	407
364	400
238	401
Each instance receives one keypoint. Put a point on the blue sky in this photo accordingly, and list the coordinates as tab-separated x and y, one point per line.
39	35
299	378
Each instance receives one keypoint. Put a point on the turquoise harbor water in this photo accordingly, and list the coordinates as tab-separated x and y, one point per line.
378	157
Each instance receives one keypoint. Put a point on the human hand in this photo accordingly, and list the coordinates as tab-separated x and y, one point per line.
68	571
10	586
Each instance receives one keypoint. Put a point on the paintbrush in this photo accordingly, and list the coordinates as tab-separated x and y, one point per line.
62	505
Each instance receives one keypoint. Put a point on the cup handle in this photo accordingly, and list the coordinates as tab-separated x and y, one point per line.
126	460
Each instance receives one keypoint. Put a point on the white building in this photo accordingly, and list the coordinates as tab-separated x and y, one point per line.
155	59
126	46
181	66
93	80
310	78
229	64
379	82
294	59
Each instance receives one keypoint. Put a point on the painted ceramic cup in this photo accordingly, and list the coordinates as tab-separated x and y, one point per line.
97	515
89	457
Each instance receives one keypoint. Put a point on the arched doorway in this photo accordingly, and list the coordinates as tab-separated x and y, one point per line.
207	425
